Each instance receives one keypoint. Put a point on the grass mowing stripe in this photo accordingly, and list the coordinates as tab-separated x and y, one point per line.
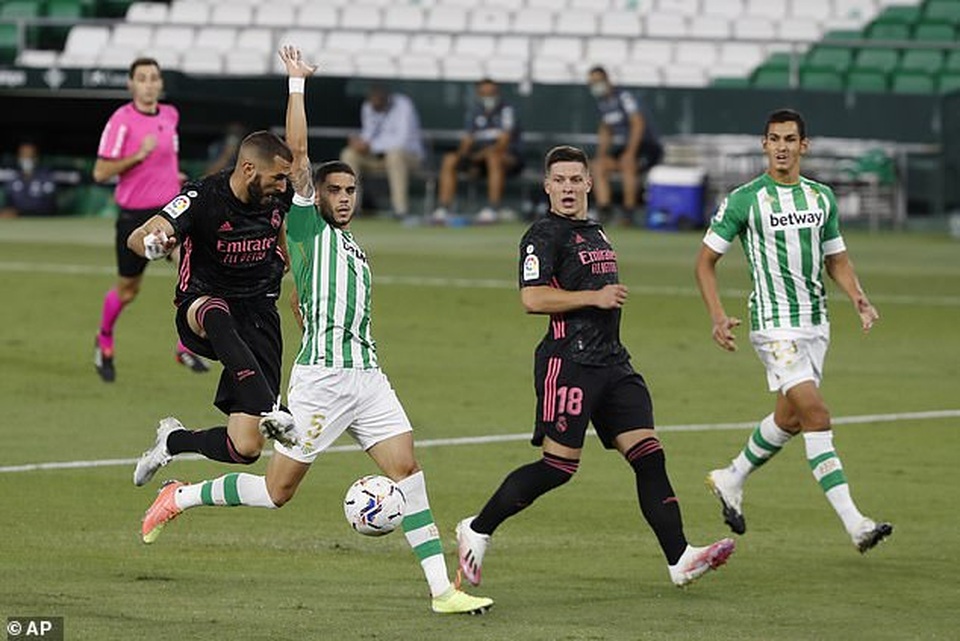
502	438
467	283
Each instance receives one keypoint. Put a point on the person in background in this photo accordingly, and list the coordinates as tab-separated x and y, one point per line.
389	142
32	190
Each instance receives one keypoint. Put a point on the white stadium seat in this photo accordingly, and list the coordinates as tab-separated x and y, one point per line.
552	72
276	15
337	63
634	75
392	44
309	41
730	9
681	7
653	52
609	52
684	76
773	9
858	10
117	56
461	69
698	54
710	27
345	42
489	20
517	47
37	58
318	16
374	65
216	38
147	12
437	45
627	24
803	29
415	65
575	23
257	39
202	61
475	46
189	13
667	25
403	18
231	14
245	63
596	6
754	28
86	40
506	69
816	9
361	17
167	58
533	21
70	60
444	18
561	49
137	36
746	54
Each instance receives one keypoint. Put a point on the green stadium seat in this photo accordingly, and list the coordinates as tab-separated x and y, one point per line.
9	43
821	78
836	58
770	78
901	13
925	60
65	9
778	60
947	10
730	82
913	82
948	82
952	61
866	80
842	34
885	60
20	9
888	31
935	32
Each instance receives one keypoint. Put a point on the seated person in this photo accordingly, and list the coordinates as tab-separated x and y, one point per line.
389	142
32	190
490	145
626	143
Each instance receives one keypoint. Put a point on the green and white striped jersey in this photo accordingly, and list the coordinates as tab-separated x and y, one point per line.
333	283
786	231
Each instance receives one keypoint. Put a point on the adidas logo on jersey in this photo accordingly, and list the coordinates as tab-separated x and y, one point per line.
578	239
225	227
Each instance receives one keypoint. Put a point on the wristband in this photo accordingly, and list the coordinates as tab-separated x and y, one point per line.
296	84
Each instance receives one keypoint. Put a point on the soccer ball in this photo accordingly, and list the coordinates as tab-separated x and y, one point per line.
374	505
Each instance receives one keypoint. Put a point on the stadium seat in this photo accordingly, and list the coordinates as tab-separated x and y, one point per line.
888	31
681	7
202	61
859	11
360	17
563	49
337	63
835	58
770	78
20	9
517	47
575	23
403	18
176	37
443	18
186	12
946	10
730	82
462	4
773	9
256	39
136	36
375	65
754	28
816	9
67	9
437	45
866	80
115	56
745	54
167	58
231	14
931	31
698	54
620	23
309	40
948	82
900	12
679	75
276	15
468	69
609	52
596	6
799	29
667	25
912	82
475	46
506	69
216	38
488	20
148	12
730	9
925	60
652	52
349	42
317	16
709	27
885	60
550	71
385	42
952	61
245	62
84	39
37	58
638	76
415	65
821	78
533	21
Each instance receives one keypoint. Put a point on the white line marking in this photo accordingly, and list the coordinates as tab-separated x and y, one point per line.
468	283
502	438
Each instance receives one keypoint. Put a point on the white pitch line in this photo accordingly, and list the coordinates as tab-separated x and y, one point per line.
501	438
467	283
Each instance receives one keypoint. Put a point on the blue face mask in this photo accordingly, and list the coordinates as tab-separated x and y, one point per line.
489	103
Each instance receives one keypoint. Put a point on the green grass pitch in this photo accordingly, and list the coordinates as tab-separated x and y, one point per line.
580	563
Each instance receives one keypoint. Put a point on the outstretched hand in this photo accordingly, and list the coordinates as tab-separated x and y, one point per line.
294	62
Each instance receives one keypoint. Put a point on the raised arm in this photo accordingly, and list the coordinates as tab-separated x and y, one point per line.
296	122
841	271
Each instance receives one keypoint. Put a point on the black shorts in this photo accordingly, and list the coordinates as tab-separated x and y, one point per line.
649	153
570	395
129	264
258	324
478	167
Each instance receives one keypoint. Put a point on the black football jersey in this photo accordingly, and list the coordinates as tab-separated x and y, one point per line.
574	255
228	248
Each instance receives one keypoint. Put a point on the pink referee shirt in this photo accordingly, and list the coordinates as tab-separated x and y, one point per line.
155	181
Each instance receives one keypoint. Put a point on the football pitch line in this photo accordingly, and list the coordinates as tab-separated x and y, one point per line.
65	269
500	438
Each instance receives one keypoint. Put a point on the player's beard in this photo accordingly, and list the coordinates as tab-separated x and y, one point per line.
255	193
328	216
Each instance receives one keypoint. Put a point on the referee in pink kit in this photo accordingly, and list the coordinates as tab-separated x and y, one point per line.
140	145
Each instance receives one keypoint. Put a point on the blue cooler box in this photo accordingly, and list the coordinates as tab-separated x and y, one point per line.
675	197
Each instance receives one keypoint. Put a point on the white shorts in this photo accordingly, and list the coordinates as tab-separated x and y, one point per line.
792	356
326	402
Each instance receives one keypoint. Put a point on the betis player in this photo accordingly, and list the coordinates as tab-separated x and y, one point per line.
336	385
789	229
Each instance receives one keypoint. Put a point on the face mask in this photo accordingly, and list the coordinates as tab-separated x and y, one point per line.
488	103
27	165
598	89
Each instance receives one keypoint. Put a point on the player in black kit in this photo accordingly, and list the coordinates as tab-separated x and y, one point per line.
568	270
230	228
